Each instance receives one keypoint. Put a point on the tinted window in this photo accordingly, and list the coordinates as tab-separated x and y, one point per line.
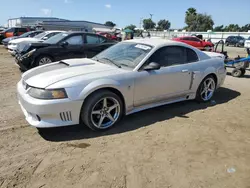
194	39
171	55
185	38
23	30
102	39
75	40
92	39
191	56
10	30
51	35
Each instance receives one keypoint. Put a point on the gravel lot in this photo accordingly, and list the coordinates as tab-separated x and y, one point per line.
175	146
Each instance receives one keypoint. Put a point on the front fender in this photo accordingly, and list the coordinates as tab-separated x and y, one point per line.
99	84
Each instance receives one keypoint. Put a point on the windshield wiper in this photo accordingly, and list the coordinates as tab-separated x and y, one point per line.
119	66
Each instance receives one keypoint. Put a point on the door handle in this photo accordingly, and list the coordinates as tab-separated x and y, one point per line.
185	70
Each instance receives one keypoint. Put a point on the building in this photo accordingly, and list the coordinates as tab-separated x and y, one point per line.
30	21
72	25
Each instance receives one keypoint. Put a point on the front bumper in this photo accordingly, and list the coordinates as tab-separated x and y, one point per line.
23	63
48	113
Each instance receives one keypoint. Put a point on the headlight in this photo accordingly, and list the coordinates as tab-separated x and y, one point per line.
47	94
29	53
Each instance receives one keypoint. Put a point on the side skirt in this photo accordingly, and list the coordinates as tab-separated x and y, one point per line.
161	103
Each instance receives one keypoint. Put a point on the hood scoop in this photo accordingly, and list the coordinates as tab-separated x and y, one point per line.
75	64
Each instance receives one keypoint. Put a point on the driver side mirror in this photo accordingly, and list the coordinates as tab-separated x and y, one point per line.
152	66
63	44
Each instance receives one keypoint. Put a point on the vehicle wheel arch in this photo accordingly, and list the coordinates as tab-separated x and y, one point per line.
211	74
98	85
113	89
42	55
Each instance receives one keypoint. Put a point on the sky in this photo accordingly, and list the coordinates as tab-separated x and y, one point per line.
127	12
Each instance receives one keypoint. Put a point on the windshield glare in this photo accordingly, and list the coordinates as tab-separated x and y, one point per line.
41	35
55	39
125	54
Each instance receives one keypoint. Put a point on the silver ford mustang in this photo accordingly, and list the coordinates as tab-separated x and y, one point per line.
128	77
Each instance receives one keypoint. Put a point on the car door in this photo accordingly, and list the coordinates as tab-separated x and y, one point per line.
71	47
95	44
197	43
170	82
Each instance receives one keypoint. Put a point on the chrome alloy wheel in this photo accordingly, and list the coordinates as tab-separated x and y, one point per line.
45	60
105	112
208	88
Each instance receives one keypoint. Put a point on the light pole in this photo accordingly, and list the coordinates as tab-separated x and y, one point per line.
151	16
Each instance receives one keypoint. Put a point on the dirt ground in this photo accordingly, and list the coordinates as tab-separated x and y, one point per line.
183	145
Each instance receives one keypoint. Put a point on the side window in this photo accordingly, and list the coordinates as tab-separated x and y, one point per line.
195	39
75	40
171	55
191	56
92	39
23	30
11	30
185	38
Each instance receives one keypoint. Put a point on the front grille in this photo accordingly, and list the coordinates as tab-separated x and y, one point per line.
65	116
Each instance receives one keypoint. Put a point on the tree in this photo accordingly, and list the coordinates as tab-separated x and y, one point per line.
148	24
190	19
198	22
110	24
131	27
245	28
219	28
204	22
163	25
232	28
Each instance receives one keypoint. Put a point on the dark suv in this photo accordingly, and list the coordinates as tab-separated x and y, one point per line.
11	32
235	41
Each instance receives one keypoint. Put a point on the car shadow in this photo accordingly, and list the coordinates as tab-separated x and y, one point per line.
138	120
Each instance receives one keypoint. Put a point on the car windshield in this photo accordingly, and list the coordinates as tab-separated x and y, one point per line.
26	34
55	39
240	38
124	54
41	35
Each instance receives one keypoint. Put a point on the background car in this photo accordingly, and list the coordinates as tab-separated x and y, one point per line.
61	46
235	41
247	43
25	35
14	31
13	45
108	35
126	78
196	42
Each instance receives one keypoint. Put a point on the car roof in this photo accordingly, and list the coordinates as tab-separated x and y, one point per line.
53	31
156	42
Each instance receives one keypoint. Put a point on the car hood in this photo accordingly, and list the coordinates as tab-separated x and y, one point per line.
44	76
9	39
19	40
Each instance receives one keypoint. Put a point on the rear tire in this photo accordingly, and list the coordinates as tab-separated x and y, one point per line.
206	89
102	110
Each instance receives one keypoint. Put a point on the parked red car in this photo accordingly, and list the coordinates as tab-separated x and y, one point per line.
108	35
196	42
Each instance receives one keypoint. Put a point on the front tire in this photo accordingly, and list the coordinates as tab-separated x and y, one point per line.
206	89
43	60
102	110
